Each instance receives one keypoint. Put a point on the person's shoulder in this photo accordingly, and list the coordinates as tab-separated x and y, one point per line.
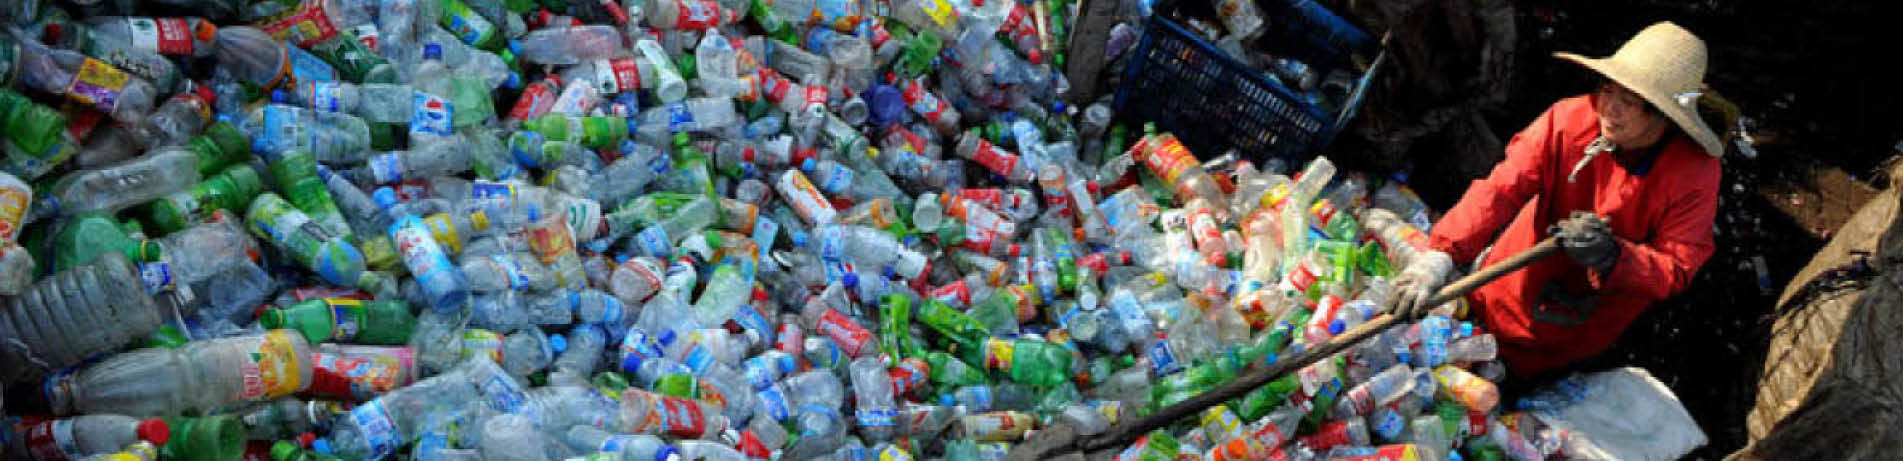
1689	162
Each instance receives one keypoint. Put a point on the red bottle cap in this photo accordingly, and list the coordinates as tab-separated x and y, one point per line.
155	431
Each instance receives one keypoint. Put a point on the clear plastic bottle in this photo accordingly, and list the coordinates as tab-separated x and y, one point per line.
78	437
627	446
442	157
121	186
200	376
319	250
252	56
87	81
565	46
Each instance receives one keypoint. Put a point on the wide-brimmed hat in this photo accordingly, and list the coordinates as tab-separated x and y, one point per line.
1665	64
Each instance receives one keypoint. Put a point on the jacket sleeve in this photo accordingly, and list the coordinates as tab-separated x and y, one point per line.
1664	264
1489	203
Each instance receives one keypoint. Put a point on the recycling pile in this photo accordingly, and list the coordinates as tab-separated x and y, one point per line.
512	229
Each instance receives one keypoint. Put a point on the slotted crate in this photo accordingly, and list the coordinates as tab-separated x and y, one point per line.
1214	103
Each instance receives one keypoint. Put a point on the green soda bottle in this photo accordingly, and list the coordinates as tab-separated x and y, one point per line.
345	320
682	385
466	24
354	61
230	190
1006	306
771	22
1262	400
318	249
949	372
954	325
895	322
221	144
1028	362
91	234
35	136
296	175
1065	251
210	438
693	169
592	131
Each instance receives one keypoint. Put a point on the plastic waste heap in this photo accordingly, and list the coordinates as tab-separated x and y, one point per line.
671	229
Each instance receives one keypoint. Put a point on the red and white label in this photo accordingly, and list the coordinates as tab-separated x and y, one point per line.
618	75
993	158
850	336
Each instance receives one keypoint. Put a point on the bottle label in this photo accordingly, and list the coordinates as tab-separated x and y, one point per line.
343	316
940	11
386	168
773	400
838	180
502	393
326	95
697	15
654	241
1169	161
774	86
617	75
443	229
369	36
510	271
419	251
806	199
13	205
682	417
536	100
374	425
979	398
679	118
999	354
353	377
305	26
879	417
465	24
850	336
97	84
271	371
1163	359
482	343
430	114
815	95
52	440
993	158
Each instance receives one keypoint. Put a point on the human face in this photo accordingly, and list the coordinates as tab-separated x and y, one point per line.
1625	118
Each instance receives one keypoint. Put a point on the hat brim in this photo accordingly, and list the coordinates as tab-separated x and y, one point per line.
1685	117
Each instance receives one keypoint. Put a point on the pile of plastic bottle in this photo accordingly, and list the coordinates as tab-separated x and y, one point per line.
667	229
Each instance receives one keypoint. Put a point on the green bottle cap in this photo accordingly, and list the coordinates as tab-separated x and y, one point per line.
284	450
150	251
273	319
207	439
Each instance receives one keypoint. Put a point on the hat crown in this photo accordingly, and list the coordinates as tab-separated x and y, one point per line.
1668	55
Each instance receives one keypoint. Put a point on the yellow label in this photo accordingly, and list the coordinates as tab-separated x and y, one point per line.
13	202
97	84
444	230
272	370
940	11
998	354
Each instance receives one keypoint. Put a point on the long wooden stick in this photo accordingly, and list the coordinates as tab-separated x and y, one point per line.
1121	434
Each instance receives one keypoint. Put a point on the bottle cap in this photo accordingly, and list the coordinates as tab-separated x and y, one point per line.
270	319
1037	57
277	96
514	82
759	294
557	343
808	165
155	431
321	446
851	280
284	450
667	454
435	51
515	47
305	439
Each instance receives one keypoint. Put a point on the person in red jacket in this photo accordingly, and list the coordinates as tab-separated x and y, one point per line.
1627	176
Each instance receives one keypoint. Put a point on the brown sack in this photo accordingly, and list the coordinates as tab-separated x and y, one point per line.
1832	385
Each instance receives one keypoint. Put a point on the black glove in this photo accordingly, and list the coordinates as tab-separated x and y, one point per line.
1588	241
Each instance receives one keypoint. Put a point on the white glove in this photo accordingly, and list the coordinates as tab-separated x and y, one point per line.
1423	276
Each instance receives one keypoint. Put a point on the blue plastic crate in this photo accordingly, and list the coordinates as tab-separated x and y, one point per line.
1214	103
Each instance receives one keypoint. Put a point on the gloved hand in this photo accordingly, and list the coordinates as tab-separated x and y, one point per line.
1419	280
1587	240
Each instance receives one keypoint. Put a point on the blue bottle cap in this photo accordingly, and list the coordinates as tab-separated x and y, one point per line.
1058	107
514	82
385	197
557	343
946	400
515	47
277	96
433	51
851	280
1336	326
321	446
889	273
630	363
808	165
667	453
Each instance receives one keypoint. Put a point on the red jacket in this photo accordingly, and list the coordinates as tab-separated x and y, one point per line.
1661	215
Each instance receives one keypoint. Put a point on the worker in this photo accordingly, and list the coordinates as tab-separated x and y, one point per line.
1626	176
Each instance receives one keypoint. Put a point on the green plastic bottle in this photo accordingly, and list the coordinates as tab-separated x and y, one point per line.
35	138
229	190
327	254
345	320
354	61
683	385
295	173
466	24
949	372
212	438
221	144
591	131
952	324
693	169
895	327
90	234
1026	361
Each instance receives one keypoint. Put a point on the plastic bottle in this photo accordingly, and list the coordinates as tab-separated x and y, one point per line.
563	46
327	254
112	189
345	320
200	376
50	319
627	446
82	436
87	82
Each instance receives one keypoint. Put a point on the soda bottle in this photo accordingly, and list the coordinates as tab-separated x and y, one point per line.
78	437
172	36
375	429
444	284
344	320
141	63
35	135
295	172
252	56
86	236
319	250
230	190
204	438
1030	362
86	81
626	446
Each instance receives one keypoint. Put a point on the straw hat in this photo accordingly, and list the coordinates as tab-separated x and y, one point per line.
1665	64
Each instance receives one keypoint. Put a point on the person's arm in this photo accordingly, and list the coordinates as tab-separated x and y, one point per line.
1489	203
1664	265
